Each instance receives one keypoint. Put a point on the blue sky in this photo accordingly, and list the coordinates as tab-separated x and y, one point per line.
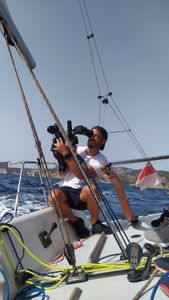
132	38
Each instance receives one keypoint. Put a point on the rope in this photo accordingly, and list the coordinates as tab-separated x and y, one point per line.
37	141
39	149
86	267
57	121
29	292
157	285
29	252
48	280
38	144
62	130
111	213
3	245
5	249
74	155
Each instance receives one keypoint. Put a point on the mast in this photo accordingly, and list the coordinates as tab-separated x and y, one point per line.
9	30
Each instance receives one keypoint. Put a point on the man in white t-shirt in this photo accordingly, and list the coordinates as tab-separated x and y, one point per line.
74	193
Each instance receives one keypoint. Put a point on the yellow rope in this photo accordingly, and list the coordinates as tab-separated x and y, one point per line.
53	286
29	252
87	268
40	277
6	253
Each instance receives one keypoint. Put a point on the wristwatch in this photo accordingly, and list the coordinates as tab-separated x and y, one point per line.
68	156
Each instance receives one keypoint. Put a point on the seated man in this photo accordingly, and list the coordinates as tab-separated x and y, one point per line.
74	193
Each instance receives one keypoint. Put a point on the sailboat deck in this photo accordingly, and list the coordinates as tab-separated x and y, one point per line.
108	285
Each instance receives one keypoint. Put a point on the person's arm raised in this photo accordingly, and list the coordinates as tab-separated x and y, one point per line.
63	149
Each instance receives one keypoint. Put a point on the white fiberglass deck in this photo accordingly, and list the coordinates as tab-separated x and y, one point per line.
112	285
107	286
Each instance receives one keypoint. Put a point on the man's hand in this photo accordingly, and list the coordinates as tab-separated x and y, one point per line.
62	173
60	147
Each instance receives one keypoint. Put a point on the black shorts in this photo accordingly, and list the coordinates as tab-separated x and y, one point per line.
73	197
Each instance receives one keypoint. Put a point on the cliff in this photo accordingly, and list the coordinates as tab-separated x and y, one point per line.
129	176
6	168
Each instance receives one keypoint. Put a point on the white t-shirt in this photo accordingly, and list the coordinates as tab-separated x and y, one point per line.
95	161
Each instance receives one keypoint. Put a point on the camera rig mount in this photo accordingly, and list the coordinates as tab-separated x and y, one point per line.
71	133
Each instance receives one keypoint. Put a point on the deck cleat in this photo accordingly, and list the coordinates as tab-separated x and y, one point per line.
76	276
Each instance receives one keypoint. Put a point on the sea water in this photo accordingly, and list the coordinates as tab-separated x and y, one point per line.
31	196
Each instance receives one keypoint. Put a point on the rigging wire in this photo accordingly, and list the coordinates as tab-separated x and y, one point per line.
68	247
40	151
113	106
111	212
90	36
38	144
68	142
41	154
37	141
86	179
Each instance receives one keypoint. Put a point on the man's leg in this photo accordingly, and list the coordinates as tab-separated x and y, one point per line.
92	206
59	198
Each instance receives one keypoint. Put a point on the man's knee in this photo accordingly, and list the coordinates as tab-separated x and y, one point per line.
86	192
93	188
55	195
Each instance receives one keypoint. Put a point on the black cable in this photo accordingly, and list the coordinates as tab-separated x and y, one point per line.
114	217
3	217
15	228
19	258
110	255
108	207
48	274
112	214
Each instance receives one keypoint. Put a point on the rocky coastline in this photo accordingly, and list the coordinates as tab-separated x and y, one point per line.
7	168
127	176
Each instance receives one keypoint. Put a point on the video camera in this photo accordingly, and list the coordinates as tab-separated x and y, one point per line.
71	133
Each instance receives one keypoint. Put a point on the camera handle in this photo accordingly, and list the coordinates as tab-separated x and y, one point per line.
62	165
61	162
